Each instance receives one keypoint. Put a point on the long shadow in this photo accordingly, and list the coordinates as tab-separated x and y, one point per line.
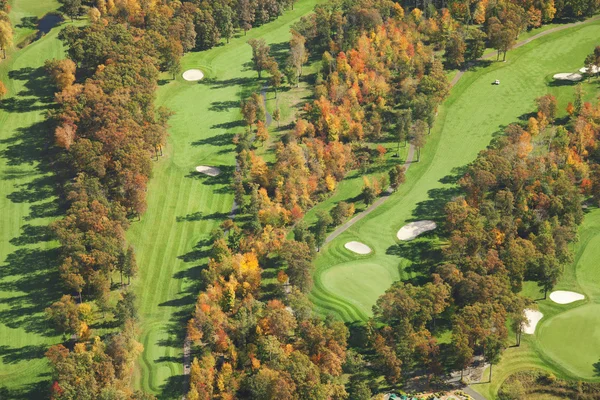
224	139
29	277
220	106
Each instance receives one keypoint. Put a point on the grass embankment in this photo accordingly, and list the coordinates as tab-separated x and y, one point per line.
171	240
474	113
28	274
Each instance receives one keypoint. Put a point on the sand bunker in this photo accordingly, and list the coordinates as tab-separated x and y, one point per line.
210	171
566	76
358	247
533	317
414	229
193	75
565	297
595	69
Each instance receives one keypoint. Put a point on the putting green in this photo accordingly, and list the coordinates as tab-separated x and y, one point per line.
361	282
468	120
572	340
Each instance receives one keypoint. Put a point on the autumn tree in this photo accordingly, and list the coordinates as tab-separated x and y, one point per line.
397	177
62	72
262	133
455	49
298	54
72	8
418	131
261	58
64	314
3	90
6	36
547	106
323	222
403	125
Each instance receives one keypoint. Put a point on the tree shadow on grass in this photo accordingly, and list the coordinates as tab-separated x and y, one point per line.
32	391
422	253
13	355
223	139
29	279
222	106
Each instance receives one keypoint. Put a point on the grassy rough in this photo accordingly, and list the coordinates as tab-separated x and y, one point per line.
28	278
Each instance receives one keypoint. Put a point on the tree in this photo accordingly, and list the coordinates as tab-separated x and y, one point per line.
417	136
455	49
475	44
224	20
125	309
94	15
64	315
276	76
501	36
403	124
492	350
277	115
6	36
246	15
578	102
72	8
368	193
262	133
547	105
463	353
396	176
207	33
130	267
261	59
62	72
341	212
518	321
298	258
323	222
298	54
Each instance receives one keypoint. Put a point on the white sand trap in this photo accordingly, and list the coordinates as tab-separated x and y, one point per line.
358	247
533	317
595	69
414	229
565	297
193	75
210	171
567	76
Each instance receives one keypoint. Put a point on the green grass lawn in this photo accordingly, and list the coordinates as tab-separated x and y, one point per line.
475	111
171	240
28	274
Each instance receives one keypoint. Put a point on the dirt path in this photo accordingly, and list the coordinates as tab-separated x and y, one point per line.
342	228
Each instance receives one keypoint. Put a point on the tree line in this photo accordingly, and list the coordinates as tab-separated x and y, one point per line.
109	130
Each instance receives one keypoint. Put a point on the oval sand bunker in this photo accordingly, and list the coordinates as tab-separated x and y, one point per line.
414	229
567	76
210	171
192	75
565	297
358	247
533	317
